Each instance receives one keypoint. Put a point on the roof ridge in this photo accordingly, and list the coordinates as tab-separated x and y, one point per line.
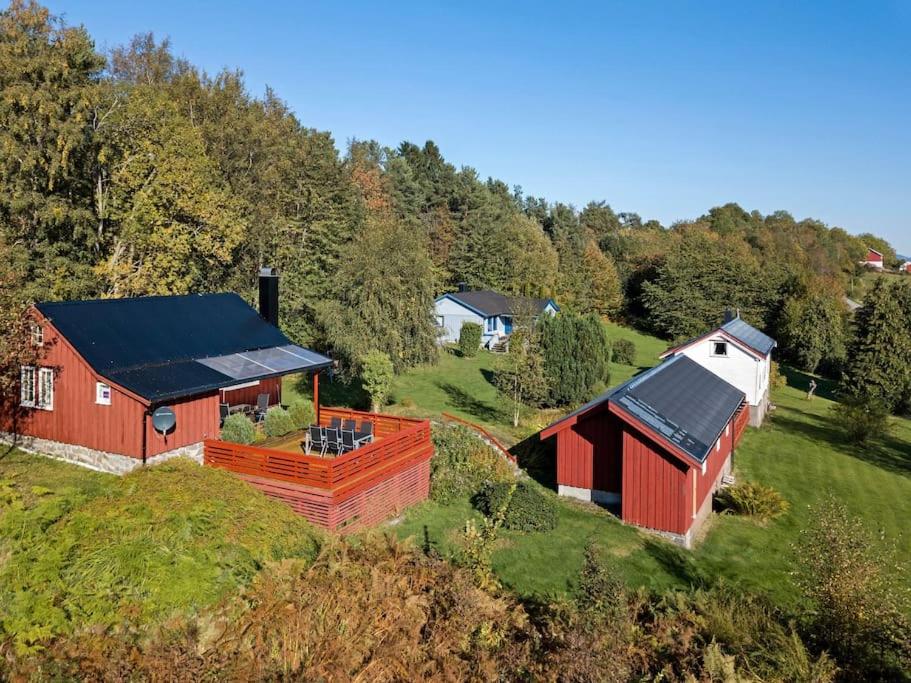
120	299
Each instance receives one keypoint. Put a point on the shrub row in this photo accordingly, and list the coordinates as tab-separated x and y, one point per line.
239	428
529	509
462	463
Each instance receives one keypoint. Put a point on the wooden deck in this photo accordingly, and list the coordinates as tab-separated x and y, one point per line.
346	492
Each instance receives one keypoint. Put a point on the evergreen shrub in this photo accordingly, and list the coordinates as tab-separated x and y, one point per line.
624	352
469	339
278	422
530	509
238	428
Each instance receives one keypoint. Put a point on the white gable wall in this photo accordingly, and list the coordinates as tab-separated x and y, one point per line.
739	368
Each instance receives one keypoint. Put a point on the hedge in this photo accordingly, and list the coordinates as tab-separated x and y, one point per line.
530	509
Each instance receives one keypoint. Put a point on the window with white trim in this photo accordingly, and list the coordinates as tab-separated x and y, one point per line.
37	334
720	348
491	324
36	387
102	394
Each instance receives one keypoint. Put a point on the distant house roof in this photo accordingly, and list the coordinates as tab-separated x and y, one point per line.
489	303
754	341
685	404
168	347
749	335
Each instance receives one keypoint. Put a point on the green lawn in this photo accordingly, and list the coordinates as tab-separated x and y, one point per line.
464	387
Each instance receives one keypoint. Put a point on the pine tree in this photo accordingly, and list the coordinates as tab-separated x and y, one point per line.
878	367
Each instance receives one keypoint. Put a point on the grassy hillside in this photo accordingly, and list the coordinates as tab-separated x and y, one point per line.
800	452
80	548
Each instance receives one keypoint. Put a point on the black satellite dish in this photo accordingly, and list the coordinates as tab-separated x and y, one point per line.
164	419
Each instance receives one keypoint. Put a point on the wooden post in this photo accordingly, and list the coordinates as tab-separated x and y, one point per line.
316	395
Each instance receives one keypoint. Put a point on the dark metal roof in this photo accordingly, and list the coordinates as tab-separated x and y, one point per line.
749	335
489	303
680	400
167	347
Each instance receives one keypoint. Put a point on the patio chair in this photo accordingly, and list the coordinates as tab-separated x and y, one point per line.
349	425
223	412
365	433
332	441
262	405
315	439
348	442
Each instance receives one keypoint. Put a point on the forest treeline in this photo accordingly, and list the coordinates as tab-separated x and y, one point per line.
136	173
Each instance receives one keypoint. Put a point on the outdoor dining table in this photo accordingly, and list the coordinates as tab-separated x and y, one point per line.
240	408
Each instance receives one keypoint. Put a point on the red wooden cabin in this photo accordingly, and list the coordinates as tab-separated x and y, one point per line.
656	447
104	366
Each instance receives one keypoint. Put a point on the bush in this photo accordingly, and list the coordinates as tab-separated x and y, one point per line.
278	422
862	420
529	509
776	379
302	413
755	500
377	373
462	463
238	428
469	339
624	352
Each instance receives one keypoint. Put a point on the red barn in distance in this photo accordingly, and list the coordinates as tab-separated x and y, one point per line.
106	365
657	446
874	259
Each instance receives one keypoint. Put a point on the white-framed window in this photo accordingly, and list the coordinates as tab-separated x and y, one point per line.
720	348
102	394
440	322
491	324
37	334
36	387
27	392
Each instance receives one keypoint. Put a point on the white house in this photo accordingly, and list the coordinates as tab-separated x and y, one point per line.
491	310
739	354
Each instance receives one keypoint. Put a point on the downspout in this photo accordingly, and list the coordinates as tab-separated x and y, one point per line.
145	415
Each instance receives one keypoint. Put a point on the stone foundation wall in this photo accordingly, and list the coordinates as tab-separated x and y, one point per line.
589	495
112	463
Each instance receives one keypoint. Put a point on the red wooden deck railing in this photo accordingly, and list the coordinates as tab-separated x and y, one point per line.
495	442
356	488
741	419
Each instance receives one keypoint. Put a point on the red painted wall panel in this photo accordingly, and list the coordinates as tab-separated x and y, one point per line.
116	428
713	465
589	453
271	386
654	485
873	256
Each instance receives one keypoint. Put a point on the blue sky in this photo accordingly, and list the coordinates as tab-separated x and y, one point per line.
663	108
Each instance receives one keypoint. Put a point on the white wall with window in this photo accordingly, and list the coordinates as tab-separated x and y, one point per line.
733	364
36	387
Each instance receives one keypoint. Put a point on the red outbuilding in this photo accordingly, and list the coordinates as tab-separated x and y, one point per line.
656	447
874	259
121	382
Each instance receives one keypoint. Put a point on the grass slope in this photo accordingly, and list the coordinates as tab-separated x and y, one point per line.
800	452
81	548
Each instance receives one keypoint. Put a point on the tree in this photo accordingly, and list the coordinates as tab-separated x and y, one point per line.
48	82
383	298
878	365
812	328
576	354
847	577
376	375
520	377
589	282
698	277
171	226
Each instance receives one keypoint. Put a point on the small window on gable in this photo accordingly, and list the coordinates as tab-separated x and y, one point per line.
102	394
37	335
719	348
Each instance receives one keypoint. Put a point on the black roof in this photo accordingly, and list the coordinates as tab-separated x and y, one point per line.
680	400
168	347
749	335
489	303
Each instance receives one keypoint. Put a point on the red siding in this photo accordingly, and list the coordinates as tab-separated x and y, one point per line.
713	465
272	386
116	428
654	486
589	453
873	256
